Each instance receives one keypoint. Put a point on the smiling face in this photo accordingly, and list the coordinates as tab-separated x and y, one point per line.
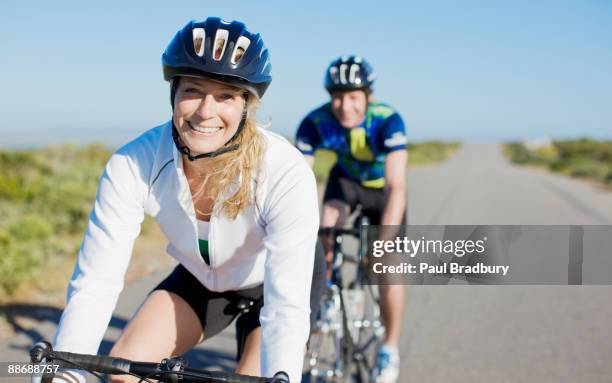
207	113
349	107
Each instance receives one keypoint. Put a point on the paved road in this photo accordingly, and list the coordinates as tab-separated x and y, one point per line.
460	333
505	333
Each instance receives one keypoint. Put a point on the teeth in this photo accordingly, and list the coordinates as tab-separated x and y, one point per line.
205	130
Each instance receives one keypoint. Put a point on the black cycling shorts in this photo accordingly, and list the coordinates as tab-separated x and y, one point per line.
372	200
216	310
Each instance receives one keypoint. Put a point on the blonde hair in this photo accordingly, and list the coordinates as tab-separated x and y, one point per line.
235	170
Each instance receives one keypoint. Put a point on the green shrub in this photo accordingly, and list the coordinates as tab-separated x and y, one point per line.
44	194
430	151
30	227
579	158
19	261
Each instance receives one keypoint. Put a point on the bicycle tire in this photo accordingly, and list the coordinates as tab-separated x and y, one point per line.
367	328
369	336
346	345
324	349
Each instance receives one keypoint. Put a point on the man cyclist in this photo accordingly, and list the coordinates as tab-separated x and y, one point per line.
370	142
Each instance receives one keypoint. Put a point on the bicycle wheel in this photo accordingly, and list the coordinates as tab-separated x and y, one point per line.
346	341
365	328
325	356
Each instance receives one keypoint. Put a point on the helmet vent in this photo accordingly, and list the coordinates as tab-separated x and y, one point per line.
333	71
353	74
198	41
241	46
220	43
343	68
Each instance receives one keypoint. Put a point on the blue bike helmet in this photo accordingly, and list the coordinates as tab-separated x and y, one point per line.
222	51
349	73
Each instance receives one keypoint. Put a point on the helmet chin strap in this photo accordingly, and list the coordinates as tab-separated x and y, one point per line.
224	149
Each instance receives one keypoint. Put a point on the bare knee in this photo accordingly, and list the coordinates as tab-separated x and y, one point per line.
334	213
153	333
123	348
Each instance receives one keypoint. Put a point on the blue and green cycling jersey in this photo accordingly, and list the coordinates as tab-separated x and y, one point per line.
361	150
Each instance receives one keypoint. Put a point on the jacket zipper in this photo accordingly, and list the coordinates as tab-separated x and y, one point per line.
189	208
210	251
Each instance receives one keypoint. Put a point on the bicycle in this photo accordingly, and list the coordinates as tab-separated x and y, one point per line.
349	330
169	370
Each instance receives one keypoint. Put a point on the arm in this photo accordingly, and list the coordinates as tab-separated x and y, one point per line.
292	220
103	258
395	193
393	143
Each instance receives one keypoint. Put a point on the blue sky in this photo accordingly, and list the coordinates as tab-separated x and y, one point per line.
470	70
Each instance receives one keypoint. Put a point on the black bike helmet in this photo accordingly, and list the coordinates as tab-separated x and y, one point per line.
219	50
349	73
222	50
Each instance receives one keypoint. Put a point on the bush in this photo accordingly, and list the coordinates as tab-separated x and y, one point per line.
430	152
580	158
21	256
30	228
44	194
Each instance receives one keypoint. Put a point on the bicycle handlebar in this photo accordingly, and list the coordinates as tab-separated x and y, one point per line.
165	370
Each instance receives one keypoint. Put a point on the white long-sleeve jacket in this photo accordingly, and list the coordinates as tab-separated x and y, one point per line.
272	242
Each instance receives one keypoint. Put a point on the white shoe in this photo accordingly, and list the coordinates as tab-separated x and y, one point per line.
386	369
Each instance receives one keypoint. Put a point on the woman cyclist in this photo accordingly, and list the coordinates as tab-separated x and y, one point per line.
237	204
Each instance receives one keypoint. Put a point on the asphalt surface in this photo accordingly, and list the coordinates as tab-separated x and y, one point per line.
454	333
505	333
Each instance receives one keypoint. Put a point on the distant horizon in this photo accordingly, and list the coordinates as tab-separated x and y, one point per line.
119	137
